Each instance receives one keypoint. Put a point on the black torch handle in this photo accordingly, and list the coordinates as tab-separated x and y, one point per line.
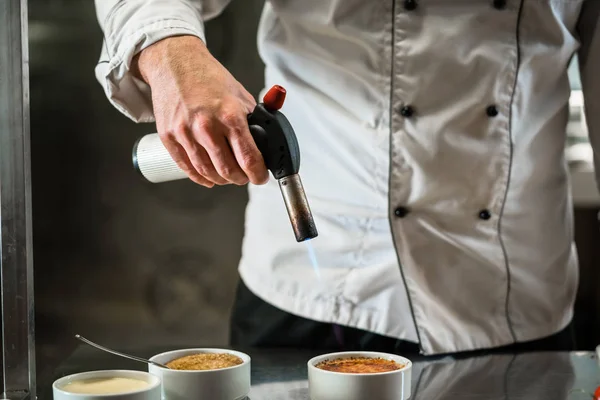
276	141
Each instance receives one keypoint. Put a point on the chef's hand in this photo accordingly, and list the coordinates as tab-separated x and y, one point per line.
201	113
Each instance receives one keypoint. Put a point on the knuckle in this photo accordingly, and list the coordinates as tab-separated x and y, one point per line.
251	161
176	132
227	171
204	170
168	135
202	123
230	118
232	173
180	128
198	159
175	135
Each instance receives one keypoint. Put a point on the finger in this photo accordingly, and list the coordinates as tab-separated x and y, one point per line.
248	156
199	158
180	157
225	162
213	140
203	164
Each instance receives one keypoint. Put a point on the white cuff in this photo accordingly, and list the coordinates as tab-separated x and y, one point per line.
128	94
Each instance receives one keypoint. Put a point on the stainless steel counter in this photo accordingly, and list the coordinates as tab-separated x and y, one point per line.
282	374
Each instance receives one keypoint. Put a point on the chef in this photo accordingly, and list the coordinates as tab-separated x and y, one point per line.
432	136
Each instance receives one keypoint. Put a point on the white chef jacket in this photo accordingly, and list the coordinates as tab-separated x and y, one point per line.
432	136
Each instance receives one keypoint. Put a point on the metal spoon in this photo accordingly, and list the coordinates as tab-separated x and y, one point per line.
119	354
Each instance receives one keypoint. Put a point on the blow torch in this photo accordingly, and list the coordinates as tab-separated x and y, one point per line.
275	139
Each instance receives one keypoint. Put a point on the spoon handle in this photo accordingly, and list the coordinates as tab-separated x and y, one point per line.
143	360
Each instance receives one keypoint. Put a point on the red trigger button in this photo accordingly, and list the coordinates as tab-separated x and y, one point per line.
274	98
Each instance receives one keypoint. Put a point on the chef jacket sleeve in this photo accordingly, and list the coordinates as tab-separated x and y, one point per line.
130	26
589	67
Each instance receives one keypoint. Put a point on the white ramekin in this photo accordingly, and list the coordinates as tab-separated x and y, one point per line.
152	392
329	385
230	383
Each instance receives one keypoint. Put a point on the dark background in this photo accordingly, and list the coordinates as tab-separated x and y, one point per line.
117	259
129	263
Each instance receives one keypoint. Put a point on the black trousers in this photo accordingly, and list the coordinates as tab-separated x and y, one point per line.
256	323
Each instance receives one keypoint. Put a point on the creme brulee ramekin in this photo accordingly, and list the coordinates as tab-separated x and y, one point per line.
328	385
151	392
232	383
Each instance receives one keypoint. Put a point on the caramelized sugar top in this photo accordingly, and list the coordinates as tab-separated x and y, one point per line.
205	361
359	365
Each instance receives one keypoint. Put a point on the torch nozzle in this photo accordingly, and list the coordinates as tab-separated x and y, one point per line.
297	207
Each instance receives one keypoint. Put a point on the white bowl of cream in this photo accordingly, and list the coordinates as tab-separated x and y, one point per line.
109	384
